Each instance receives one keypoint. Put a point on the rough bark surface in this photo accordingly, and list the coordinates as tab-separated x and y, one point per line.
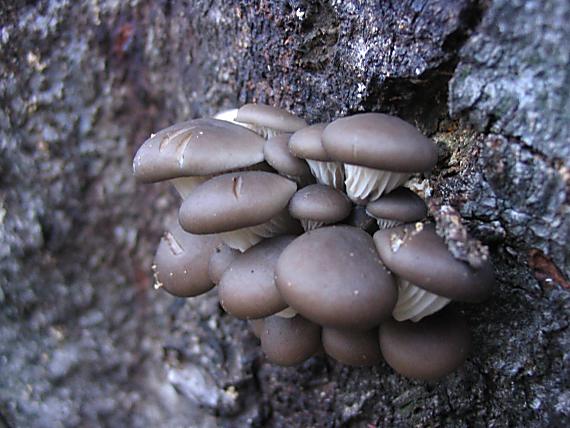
86	341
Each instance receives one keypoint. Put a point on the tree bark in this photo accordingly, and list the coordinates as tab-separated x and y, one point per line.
86	341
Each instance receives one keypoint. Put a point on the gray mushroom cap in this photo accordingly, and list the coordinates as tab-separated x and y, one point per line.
401	204
334	277
429	349
198	147
277	154
181	262
417	254
234	201
379	141
289	341
247	288
321	203
306	143
220	260
269	117
352	347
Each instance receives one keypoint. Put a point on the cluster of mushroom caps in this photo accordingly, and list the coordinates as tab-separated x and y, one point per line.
267	214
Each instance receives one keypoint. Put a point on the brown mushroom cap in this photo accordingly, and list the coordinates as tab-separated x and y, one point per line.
306	143
417	254
234	201
401	204
277	154
247	288
269	117
334	277
352	347
196	148
428	349
320	203
181	262
289	341
379	141
221	259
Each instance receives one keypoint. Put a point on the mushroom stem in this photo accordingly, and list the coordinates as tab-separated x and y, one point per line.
327	173
415	303
288	312
242	239
311	224
185	185
363	183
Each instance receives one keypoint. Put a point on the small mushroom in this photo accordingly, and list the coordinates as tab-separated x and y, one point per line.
420	257
334	277
318	205
397	207
429	349
188	153
269	121
380	153
277	154
306	144
352	347
243	207
181	262
247	288
221	259
289	341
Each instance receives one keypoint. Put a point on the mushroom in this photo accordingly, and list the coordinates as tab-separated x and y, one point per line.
380	153
397	207
247	288
334	277
422	260
221	259
188	153
277	154
352	347
289	341
268	121
429	349
317	205
359	218
181	262
306	144
256	326
243	207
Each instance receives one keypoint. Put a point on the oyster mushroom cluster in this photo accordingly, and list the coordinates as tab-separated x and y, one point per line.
269	214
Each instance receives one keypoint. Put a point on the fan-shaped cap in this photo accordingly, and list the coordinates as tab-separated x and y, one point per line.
321	203
420	256
247	288
289	341
379	141
352	347
181	262
269	117
195	148
428	349
306	143
333	276
234	201
277	154
220	260
401	205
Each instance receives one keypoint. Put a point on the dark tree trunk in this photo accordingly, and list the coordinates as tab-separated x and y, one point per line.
86	341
